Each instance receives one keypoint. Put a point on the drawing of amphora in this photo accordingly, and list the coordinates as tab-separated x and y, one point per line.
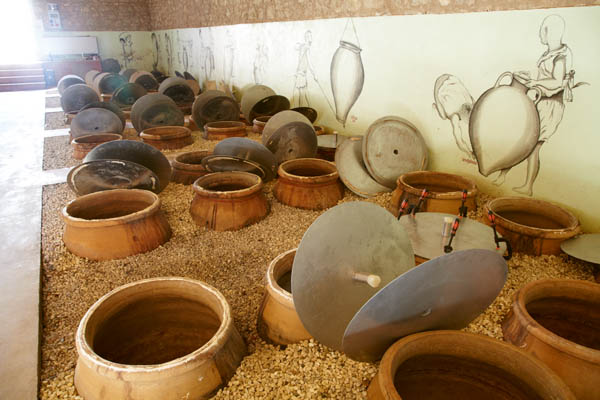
347	78
504	125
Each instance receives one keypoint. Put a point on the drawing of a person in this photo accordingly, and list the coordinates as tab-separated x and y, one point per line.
260	63
127	47
300	93
453	102
207	58
554	81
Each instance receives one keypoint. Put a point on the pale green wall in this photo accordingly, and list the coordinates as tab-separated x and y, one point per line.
403	56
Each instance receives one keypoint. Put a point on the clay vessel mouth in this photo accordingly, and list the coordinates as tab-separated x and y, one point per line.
279	274
191	160
228	184
308	170
439	185
533	216
219	126
97	139
469	366
159	323
566	311
165	133
110	207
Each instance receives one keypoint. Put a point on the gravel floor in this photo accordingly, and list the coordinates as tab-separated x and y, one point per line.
235	263
58	153
55	120
53	101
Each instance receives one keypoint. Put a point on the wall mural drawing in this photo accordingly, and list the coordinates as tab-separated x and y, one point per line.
261	60
169	51
511	121
127	53
228	61
155	51
185	54
347	73
304	68
207	57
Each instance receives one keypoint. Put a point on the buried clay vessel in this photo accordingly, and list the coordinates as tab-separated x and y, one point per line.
187	167
430	365
278	321
226	201
167	137
157	339
84	144
558	322
114	224
308	183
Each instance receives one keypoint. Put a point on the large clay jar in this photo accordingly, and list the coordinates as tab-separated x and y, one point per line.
445	365
558	321
504	126
347	78
226	201
219	130
278	321
531	226
157	339
167	137
444	192
259	123
114	224
309	183
84	144
187	167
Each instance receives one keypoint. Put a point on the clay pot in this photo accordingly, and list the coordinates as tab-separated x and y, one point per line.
84	144
167	137
278	321
227	201
531	226
504	125
259	123
106	97
445	192
66	81
309	183
219	130
157	339
114	224
187	167
432	365
558	321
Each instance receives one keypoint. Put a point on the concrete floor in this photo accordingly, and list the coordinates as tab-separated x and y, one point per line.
21	180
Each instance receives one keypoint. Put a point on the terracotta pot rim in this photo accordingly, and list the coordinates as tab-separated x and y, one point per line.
308	180
272	285
457	194
224	126
485	347
161	133
107	136
564	233
151	197
183	363
182	165
253	181
534	291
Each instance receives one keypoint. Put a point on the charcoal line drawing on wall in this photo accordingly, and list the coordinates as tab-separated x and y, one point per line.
127	48
510	122
155	51
261	60
185	54
169	51
304	68
207	58
347	73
